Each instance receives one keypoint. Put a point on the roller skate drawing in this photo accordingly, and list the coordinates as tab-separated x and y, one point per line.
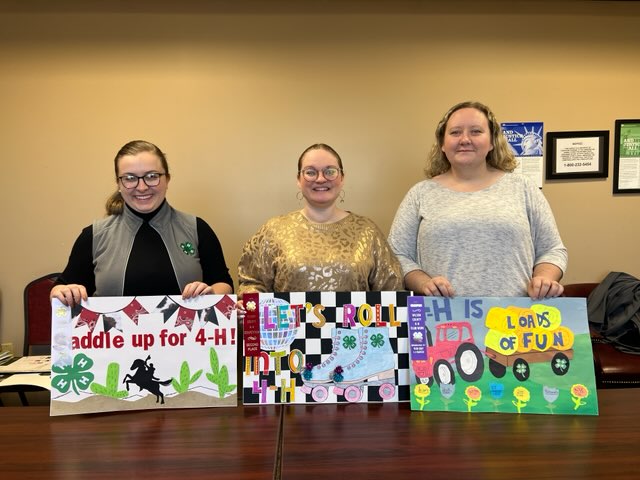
359	357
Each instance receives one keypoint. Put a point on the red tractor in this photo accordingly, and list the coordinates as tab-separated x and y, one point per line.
453	344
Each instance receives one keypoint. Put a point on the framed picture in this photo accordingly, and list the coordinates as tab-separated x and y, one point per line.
626	157
577	155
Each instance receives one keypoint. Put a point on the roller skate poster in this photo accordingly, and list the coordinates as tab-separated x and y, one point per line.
325	347
508	355
147	352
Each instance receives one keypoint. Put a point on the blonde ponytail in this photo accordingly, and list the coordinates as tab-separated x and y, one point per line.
115	204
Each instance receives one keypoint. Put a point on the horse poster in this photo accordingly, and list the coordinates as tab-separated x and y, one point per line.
331	347
508	355
147	352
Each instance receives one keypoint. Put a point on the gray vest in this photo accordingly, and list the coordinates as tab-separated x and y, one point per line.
113	239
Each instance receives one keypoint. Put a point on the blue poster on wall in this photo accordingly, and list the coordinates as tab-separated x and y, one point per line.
526	141
509	355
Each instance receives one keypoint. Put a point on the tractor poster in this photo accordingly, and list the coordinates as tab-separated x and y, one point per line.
147	352
325	347
508	355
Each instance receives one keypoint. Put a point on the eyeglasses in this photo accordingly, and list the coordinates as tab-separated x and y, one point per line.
329	173
151	179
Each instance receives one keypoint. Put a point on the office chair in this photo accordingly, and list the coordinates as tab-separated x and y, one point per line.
37	326
613	368
37	315
578	289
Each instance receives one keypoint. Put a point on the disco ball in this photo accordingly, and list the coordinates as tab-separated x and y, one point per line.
278	336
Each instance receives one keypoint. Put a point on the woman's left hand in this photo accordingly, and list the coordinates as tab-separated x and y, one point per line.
542	287
195	289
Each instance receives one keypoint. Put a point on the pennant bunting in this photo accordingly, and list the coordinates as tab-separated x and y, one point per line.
226	306
134	310
168	307
88	318
209	315
185	317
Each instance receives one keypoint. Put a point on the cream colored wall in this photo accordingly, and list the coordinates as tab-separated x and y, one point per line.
233	92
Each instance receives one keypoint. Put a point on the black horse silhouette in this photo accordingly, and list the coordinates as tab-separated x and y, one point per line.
144	378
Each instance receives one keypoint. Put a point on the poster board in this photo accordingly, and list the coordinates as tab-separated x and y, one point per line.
509	355
325	347
132	353
526	140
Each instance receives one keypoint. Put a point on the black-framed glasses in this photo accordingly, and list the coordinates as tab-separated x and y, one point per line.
151	179
329	173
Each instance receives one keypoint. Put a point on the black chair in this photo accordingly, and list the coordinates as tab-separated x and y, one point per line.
613	368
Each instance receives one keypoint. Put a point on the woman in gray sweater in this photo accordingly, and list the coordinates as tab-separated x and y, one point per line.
474	228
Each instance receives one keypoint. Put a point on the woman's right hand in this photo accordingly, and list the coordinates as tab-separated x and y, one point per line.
422	284
70	295
437	287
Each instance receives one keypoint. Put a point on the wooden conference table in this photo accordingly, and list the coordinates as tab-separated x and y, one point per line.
344	442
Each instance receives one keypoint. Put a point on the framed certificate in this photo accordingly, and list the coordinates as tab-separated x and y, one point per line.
577	155
626	157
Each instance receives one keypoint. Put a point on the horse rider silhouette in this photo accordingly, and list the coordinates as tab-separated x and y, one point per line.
144	378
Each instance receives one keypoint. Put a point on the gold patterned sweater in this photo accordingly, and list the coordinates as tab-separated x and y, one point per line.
291	254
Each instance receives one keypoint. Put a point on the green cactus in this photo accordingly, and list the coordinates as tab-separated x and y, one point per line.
111	387
182	385
219	376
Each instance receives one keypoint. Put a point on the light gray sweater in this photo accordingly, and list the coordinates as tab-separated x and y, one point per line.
485	243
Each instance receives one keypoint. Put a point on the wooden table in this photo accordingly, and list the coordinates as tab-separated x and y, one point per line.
220	443
389	441
338	442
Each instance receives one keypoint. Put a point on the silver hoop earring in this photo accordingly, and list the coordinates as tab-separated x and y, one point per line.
341	196
299	196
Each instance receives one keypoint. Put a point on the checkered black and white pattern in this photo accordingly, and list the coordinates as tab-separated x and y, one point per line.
283	382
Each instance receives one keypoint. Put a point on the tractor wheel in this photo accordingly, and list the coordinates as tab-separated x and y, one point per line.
428	381
443	373
560	363
469	362
497	369
521	369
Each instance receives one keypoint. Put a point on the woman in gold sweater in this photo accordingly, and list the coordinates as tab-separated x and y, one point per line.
320	247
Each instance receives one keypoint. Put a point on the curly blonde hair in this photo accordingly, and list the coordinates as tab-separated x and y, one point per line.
500	157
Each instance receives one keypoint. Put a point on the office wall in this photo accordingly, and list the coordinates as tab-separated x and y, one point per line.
234	91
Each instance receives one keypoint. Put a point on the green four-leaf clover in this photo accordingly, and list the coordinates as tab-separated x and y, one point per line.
77	375
187	247
561	364
349	342
377	340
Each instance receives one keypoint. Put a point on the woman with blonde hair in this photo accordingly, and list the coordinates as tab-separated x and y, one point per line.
474	228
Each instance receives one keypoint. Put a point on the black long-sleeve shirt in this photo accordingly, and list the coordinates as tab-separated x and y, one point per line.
149	270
